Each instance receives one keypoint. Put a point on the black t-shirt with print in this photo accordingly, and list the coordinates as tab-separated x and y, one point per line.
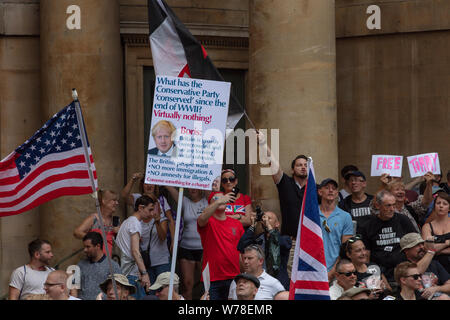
382	238
359	211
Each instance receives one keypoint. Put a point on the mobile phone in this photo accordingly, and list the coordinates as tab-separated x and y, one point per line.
116	221
235	190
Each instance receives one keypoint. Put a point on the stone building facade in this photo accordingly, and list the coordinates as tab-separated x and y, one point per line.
337	90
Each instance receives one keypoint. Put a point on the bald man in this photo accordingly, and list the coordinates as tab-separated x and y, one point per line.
56	286
266	233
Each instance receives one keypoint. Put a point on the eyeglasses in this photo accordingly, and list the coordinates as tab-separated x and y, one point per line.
416	276
353	239
255	247
230	179
348	274
325	224
46	284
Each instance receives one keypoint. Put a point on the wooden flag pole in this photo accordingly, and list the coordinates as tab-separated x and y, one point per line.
91	176
175	244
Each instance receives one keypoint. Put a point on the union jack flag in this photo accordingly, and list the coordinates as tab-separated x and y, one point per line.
309	277
49	165
234	209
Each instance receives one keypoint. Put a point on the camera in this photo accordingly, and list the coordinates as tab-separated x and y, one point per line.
441	238
259	214
235	190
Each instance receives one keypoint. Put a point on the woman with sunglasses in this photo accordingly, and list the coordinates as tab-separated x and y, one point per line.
355	250
409	280
440	227
241	208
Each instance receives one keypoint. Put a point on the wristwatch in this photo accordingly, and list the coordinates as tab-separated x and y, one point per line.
143	272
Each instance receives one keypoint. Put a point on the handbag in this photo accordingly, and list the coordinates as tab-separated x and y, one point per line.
146	253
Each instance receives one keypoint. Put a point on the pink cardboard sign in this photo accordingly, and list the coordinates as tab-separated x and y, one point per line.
386	164
423	163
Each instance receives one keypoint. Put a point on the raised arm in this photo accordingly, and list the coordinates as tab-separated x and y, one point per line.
428	192
277	173
173	193
210	209
125	194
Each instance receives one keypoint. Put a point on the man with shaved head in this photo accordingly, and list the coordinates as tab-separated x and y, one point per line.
56	286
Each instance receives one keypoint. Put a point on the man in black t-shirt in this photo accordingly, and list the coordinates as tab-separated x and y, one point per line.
381	234
358	203
290	192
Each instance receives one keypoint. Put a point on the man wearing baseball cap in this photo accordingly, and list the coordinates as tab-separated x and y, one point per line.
161	286
422	254
358	202
246	286
336	224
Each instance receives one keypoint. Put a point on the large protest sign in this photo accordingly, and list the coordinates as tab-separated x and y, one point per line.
423	163
386	164
187	132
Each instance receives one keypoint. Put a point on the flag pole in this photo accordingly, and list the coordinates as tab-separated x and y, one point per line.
175	240
94	191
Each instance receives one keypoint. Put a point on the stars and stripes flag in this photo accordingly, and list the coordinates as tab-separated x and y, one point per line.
49	165
309	277
176	52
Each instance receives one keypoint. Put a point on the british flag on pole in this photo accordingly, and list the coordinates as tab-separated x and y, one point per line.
309	277
51	164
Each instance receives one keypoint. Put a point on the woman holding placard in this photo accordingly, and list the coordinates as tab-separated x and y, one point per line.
438	230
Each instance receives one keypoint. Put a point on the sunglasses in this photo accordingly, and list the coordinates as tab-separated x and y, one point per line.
160	289
325	224
46	284
348	274
416	276
230	179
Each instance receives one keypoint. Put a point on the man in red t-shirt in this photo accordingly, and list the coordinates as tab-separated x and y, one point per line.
220	235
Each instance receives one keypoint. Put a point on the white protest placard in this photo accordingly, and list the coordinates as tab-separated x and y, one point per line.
423	163
386	164
206	277
187	132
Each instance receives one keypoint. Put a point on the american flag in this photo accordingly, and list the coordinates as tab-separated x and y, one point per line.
49	165
309	277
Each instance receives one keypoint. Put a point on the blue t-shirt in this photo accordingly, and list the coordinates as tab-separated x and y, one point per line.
339	224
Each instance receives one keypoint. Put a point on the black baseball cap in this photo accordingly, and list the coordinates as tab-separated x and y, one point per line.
249	277
328	181
356	174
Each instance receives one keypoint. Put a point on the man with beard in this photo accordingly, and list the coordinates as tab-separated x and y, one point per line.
435	279
30	278
290	192
94	269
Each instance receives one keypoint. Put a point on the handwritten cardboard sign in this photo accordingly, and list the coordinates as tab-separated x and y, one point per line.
386	164
423	163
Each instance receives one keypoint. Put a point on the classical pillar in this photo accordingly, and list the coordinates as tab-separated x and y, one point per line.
292	85
85	54
19	119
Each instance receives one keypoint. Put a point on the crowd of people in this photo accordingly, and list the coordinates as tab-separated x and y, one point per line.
392	245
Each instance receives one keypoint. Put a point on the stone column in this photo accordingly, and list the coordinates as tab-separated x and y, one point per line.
90	60
19	119
292	85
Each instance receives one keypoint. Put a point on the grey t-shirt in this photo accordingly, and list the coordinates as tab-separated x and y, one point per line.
190	238
123	240
159	252
92	275
28	280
